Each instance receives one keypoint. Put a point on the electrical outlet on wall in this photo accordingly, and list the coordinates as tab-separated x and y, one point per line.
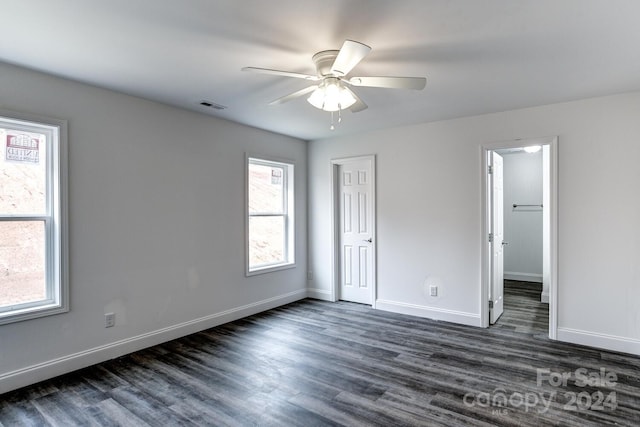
109	320
433	291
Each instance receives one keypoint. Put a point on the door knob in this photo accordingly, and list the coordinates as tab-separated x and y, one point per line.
504	243
369	240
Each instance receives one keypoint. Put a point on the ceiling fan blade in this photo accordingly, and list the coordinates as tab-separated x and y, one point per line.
359	104
281	73
349	56
417	83
294	95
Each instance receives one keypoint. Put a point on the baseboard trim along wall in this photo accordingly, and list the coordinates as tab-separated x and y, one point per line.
435	313
52	368
544	297
604	341
321	294
523	277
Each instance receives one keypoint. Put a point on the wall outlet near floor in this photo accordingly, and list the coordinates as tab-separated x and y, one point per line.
309	275
109	320
433	291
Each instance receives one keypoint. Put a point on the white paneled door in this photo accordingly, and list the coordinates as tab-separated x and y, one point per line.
356	231
497	238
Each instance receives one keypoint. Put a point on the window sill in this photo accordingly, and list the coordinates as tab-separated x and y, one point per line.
19	315
270	268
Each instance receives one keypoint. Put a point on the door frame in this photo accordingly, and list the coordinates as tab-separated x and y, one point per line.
552	142
335	225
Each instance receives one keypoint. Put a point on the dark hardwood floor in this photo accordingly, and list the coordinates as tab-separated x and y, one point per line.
523	311
314	363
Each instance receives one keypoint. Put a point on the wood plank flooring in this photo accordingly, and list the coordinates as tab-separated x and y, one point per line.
314	363
523	311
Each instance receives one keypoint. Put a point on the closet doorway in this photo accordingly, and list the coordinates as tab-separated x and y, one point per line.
519	277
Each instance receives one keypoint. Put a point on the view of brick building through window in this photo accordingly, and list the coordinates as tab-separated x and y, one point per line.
22	193
266	233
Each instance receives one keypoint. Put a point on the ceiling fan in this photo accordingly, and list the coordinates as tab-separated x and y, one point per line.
332	92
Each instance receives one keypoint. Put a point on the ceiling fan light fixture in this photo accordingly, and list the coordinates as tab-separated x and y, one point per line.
331	96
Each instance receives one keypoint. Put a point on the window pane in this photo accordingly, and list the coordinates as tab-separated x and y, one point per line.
22	262
23	166
266	189
266	240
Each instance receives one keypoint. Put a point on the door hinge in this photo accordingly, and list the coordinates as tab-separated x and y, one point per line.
490	304
490	237
490	169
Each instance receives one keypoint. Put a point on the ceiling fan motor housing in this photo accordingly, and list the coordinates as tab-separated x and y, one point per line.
324	61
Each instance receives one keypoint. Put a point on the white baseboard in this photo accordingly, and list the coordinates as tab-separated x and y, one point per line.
52	368
321	294
604	341
435	313
523	277
544	297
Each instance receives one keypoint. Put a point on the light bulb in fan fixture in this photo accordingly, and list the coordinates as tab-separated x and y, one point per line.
331	96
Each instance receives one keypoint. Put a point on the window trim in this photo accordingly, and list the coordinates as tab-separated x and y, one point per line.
55	219
288	207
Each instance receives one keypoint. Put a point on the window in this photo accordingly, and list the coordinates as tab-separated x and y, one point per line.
269	215
32	222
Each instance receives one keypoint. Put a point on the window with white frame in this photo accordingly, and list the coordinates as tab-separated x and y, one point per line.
269	215
32	217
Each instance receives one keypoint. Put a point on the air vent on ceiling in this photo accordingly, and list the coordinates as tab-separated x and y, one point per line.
213	105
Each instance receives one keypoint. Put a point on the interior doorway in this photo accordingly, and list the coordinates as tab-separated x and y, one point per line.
520	234
354	243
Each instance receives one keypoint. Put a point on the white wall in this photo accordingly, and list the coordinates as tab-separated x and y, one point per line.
429	215
156	214
523	225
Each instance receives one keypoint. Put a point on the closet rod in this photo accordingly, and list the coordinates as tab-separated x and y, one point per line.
526	206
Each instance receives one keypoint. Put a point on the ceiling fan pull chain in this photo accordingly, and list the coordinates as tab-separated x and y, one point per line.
339	113
332	127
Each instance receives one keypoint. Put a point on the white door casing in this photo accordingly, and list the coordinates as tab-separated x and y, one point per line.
496	294
355	221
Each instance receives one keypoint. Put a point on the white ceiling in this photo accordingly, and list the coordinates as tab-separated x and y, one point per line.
478	56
